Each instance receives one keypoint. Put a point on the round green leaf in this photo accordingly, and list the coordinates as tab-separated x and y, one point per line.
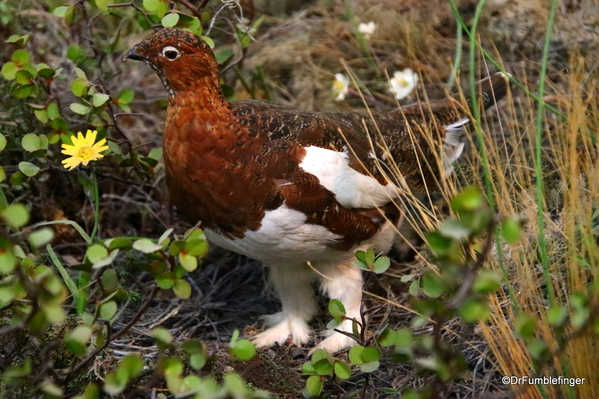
355	355
99	99
511	230
16	215
371	354
77	339
20	56
41	237
189	262
7	257
337	310
314	385
162	335
342	370
170	19
2	142
108	310
370	367
182	289
166	281
146	246
80	108
243	350
9	70
28	168
96	252
126	96
474	310
381	265
79	87
323	366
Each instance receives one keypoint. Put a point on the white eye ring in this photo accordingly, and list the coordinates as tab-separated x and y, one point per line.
170	53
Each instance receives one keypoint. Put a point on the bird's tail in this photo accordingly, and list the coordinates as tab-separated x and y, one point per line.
492	89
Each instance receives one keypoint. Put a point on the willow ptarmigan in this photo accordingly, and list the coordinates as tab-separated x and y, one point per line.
287	186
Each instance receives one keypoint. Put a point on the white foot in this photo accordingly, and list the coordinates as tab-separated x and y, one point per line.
288	328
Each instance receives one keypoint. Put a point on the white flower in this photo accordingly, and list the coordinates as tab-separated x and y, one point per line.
403	82
367	29
341	86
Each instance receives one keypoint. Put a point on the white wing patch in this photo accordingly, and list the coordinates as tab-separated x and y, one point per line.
351	188
454	144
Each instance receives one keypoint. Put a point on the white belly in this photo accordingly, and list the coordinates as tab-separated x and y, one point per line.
284	237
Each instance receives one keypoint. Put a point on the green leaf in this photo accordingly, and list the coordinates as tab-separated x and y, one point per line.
28	168
381	264
41	237
60	11
487	281
9	70
8	260
162	335
189	262
370	367
323	366
182	289
403	338
166	281
16	215
108	310
455	229
525	326
342	370
53	111
371	354
146	246
103	4
20	57
414	287
197	247
369	257
474	310
308	368
96	252
2	142
337	310
355	355
75	52
76	341
314	385
45	71
132	365
24	91
243	349
439	243
126	96
118	243
470	199
79	87
2	174
511	230
80	108
99	99
170	19
557	315
41	115
432	284
109	280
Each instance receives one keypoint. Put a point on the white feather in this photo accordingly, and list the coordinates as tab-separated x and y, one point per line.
351	188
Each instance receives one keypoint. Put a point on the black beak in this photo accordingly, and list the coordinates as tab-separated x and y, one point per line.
133	55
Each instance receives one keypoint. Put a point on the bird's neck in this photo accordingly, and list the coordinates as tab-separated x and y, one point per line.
205	120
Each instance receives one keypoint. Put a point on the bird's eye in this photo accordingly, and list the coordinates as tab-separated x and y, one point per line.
171	53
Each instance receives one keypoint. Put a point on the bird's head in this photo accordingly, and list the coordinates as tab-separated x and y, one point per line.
181	59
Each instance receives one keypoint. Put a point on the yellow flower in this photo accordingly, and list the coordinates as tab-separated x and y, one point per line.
83	150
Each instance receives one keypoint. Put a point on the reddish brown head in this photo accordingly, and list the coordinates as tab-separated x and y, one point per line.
181	59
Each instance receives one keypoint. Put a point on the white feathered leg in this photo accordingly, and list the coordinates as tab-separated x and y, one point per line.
342	282
293	284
